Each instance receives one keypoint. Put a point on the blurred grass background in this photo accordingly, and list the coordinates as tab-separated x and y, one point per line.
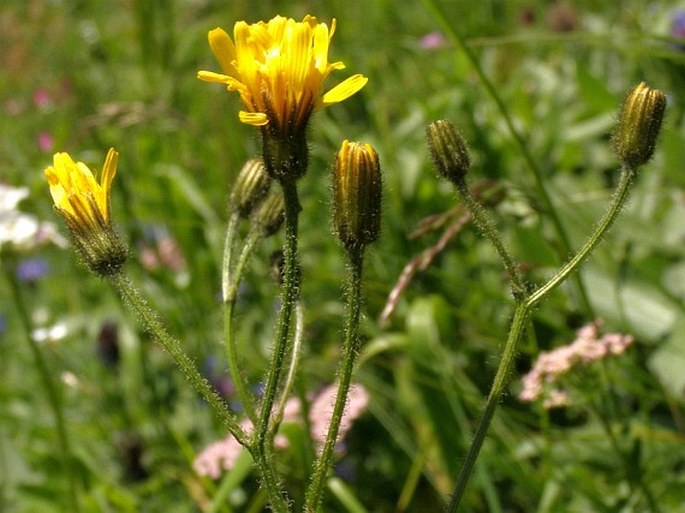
83	76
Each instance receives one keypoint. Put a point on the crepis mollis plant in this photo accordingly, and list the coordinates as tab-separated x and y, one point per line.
633	141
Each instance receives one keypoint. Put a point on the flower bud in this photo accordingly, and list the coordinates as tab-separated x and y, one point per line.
356	194
250	187
269	214
448	150
638	125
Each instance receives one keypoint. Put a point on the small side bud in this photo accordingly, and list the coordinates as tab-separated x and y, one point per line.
250	187
269	214
638	125
448	150
356	194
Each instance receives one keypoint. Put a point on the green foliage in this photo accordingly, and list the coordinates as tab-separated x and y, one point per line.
123	75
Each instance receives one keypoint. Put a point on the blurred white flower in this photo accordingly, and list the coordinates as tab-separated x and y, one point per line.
19	230
70	379
50	333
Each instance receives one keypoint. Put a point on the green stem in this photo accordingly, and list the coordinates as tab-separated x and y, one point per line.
226	278
230	294
501	378
292	370
53	393
188	368
289	295
518	139
521	314
489	229
201	385
350	353
619	199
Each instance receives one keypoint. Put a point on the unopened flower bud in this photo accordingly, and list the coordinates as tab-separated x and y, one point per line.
250	187
356	194
638	125
448	150
269	214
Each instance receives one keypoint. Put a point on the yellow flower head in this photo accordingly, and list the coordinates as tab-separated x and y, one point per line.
85	205
78	197
279	67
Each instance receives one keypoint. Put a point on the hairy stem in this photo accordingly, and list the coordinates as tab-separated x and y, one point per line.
350	353
230	293
289	295
188	368
489	229
538	175
521	315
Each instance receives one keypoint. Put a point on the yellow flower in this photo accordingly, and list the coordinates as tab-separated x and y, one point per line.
279	67
78	197
85	205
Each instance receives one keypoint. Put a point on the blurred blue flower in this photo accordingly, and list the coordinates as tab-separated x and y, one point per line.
32	269
678	24
678	28
346	469
258	389
3	324
222	384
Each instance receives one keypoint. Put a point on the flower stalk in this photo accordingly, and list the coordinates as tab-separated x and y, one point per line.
522	312
634	141
451	158
356	219
128	292
247	198
520	142
351	347
289	297
266	220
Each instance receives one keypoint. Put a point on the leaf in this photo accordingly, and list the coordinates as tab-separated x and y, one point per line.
668	361
648	313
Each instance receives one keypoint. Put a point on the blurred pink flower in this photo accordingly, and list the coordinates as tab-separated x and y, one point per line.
222	455
321	411
552	365
162	251
432	41
46	142
42	98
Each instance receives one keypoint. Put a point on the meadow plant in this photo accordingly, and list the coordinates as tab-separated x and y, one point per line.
278	68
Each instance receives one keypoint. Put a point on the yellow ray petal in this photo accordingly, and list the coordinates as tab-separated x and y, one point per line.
344	90
253	118
223	49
